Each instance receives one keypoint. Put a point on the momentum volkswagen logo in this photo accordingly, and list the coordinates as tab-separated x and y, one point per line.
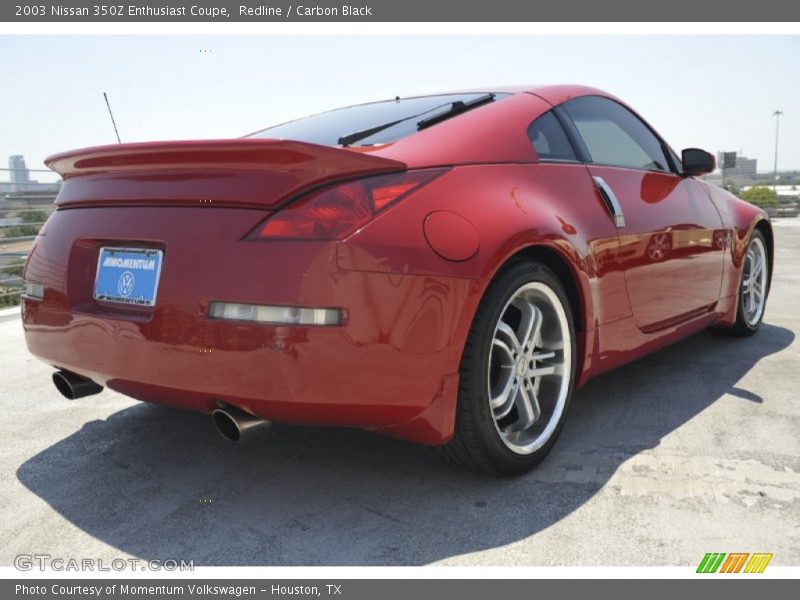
126	284
719	562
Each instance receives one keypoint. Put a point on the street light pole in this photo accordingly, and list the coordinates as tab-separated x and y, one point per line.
777	114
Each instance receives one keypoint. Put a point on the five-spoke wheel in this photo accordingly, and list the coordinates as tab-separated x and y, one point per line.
754	281
526	367
753	287
517	373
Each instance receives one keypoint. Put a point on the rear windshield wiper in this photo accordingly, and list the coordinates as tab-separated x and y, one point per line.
453	108
456	108
357	136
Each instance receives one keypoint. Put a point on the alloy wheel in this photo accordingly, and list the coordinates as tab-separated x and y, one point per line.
529	368
754	281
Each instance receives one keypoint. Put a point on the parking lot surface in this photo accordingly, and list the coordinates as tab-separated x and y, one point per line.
691	450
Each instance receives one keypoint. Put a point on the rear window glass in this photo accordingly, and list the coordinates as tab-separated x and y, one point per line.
326	128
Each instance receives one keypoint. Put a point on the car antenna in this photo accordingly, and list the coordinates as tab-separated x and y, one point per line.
111	114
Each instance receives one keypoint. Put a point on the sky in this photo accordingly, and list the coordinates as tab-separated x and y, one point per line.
713	92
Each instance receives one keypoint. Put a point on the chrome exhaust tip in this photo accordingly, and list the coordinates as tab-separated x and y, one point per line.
234	423
74	386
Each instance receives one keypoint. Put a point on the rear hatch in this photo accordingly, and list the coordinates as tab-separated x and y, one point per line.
248	173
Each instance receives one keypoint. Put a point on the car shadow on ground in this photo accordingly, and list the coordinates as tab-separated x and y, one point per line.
158	483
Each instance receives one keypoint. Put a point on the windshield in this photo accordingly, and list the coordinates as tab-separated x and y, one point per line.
327	128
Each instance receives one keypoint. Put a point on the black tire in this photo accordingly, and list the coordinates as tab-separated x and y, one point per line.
743	326
477	444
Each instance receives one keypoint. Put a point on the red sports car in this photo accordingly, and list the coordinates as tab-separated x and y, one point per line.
445	269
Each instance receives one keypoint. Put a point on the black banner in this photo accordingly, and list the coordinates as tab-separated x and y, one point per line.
398	11
386	589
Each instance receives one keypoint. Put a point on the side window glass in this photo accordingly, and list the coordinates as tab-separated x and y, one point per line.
615	136
549	139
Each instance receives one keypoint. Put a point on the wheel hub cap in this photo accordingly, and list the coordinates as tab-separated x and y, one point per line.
522	367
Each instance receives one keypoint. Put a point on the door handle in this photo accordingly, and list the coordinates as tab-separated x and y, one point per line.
610	200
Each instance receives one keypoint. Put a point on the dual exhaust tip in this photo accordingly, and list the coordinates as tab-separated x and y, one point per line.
74	386
234	423
231	422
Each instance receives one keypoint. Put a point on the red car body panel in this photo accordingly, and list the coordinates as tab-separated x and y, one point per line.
409	282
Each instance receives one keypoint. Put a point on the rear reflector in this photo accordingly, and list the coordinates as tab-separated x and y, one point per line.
282	315
335	212
34	290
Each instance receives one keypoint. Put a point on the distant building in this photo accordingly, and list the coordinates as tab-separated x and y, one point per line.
20	179
737	169
18	172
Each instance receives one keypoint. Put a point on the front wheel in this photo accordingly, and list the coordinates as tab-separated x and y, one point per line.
753	287
517	373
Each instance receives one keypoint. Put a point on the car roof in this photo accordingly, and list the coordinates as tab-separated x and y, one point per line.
553	93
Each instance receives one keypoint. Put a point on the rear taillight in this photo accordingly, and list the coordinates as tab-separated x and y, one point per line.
335	212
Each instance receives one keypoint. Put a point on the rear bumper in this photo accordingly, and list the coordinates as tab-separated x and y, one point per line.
390	366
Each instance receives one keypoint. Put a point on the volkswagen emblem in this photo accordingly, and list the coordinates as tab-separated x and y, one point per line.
125	284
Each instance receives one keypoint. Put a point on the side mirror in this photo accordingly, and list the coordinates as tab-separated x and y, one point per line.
697	162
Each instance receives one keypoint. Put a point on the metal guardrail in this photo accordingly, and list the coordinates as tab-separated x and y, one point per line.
784	211
21	217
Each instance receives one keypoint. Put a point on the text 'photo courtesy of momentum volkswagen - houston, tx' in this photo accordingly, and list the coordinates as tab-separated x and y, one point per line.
445	269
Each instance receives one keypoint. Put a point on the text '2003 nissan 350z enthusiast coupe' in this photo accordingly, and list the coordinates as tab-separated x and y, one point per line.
445	269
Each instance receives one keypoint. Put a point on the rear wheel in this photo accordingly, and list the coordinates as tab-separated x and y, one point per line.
517	373
753	287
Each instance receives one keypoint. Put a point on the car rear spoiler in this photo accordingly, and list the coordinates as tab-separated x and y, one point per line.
247	172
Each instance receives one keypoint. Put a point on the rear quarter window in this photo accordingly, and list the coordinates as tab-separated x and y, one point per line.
549	139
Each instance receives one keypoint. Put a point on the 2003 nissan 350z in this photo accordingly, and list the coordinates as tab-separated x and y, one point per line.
445	269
